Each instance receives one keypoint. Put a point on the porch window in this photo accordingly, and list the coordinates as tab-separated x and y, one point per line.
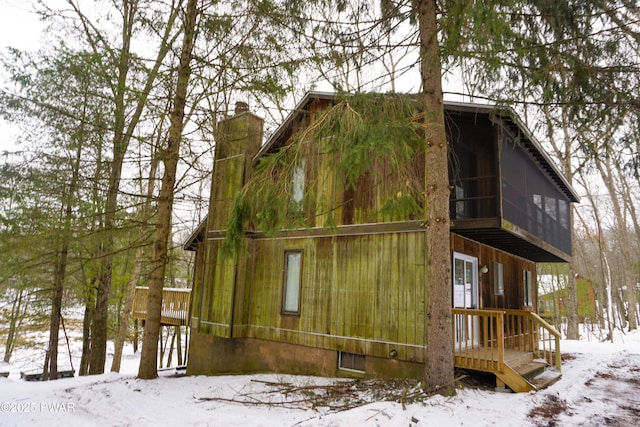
563	213
528	288
351	361
292	279
498	279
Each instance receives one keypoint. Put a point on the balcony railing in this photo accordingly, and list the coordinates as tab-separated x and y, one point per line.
175	305
474	197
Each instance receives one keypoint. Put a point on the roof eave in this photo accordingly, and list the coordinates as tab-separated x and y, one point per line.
192	241
298	110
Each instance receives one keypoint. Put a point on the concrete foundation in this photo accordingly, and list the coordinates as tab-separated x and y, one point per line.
210	355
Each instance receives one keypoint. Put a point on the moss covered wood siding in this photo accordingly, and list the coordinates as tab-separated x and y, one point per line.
238	139
198	277
362	203
362	290
362	294
333	201
219	274
217	295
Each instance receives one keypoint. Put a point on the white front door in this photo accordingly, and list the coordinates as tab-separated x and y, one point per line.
465	295
465	281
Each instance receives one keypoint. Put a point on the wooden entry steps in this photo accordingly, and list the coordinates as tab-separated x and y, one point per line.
523	373
504	343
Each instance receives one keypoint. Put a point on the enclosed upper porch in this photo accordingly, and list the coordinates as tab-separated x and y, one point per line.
505	190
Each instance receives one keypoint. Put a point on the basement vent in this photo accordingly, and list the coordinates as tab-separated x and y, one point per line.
351	362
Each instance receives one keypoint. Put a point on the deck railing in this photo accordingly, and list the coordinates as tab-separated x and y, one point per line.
526	331
175	305
480	338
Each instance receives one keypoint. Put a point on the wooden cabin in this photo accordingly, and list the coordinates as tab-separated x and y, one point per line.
348	300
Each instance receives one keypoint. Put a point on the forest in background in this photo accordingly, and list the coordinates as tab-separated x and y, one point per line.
97	108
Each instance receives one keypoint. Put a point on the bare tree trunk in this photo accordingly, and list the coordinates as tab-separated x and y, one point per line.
606	272
136	334
149	354
555	288
607	281
99	325
186	345
630	202
163	346
438	375
573	330
564	151
123	326
86	339
18	310
50	370
89	294
604	293
171	346
623	241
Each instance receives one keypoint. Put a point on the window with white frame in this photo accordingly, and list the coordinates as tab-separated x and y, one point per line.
297	185
351	361
292	281
528	288
498	279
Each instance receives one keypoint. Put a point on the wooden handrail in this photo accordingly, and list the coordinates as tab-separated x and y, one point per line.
553	357
480	337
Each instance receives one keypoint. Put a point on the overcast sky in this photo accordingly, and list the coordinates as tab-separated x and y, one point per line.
20	29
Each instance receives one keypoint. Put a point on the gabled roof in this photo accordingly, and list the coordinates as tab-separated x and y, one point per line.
297	114
506	114
197	235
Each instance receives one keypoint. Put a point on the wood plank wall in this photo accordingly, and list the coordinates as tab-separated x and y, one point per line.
362	294
348	205
218	292
362	204
237	141
513	268
198	285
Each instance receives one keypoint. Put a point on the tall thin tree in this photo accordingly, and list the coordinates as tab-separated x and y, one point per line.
169	156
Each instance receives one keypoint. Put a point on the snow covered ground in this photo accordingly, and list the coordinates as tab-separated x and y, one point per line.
600	386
